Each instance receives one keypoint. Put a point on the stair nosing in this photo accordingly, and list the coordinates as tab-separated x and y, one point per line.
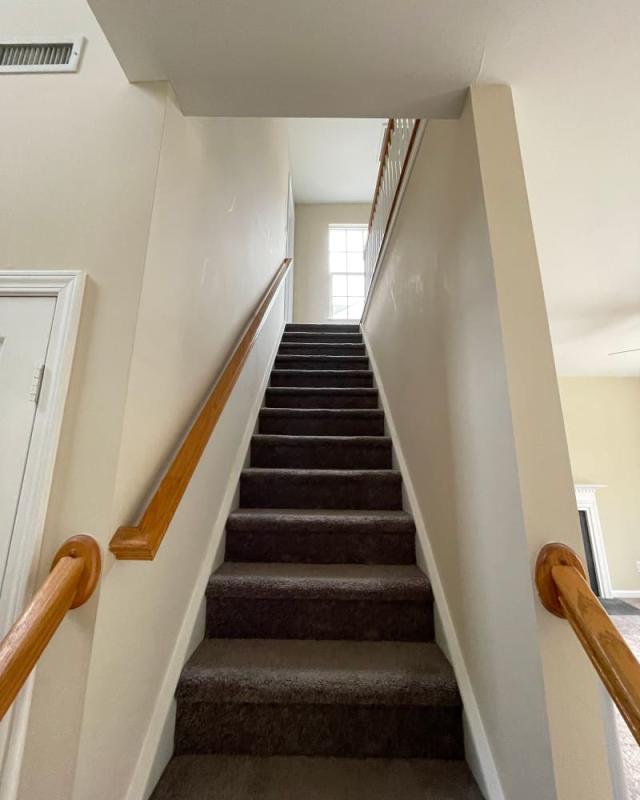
323	389
322	472
284	411
278	371
329	439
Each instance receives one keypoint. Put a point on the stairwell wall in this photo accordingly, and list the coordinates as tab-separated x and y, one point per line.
78	161
217	236
179	224
457	329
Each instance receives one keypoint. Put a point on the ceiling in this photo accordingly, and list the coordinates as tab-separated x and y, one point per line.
298	58
573	67
334	160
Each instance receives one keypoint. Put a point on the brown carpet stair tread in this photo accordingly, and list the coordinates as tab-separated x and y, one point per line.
213	777
319	519
391	583
258	671
319	677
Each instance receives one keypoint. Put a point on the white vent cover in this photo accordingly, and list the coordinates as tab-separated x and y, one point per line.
41	55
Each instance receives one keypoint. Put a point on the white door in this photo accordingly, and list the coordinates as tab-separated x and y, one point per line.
25	327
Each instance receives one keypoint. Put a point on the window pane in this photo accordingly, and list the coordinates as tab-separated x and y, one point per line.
339	307
355	262
355	309
337	262
356	286
337	239
339	285
354	240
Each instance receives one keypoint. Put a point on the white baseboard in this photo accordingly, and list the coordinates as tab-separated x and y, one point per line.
157	747
628	593
479	755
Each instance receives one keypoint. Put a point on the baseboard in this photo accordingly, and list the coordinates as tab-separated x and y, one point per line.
157	747
479	756
628	593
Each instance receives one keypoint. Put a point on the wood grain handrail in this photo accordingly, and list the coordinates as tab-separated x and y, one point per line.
564	591
383	158
141	542
75	572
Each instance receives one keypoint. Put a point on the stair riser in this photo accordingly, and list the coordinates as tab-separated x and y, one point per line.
297	327
321	362
349	491
306	336
320	400
308	425
358	731
323	380
329	548
321	455
302	348
295	618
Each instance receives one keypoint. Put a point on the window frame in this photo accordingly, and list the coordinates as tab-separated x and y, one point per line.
364	228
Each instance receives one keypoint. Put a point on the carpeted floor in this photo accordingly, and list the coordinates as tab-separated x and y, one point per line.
629	627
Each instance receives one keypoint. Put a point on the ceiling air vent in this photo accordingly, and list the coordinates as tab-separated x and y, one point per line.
62	55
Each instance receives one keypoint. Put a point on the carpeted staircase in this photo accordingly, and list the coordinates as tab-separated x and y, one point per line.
319	677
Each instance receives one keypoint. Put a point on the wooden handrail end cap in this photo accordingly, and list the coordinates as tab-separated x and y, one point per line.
553	555
87	549
130	544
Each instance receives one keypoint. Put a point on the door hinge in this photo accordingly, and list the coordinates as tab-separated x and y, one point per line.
36	384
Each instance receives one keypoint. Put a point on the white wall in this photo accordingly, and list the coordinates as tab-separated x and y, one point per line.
602	417
179	224
457	328
312	286
217	237
78	165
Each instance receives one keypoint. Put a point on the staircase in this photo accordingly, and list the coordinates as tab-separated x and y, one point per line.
319	677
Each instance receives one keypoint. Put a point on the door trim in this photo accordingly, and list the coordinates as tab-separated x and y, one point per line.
586	501
67	286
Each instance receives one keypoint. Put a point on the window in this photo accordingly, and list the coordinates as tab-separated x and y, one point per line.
346	265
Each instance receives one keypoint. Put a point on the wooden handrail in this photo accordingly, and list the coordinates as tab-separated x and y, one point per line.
564	591
383	157
141	542
75	572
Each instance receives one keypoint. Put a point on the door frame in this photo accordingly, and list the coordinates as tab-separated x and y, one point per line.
67	287
289	252
586	501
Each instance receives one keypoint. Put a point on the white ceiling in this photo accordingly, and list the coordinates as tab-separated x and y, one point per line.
334	160
573	66
297	58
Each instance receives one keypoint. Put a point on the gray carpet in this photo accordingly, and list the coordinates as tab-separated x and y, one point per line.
620	608
319	677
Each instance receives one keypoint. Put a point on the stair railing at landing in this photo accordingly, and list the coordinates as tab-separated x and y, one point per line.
398	149
76	568
564	591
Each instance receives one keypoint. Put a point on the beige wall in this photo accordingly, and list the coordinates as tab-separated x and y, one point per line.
602	418
312	285
217	237
179	224
458	333
78	164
